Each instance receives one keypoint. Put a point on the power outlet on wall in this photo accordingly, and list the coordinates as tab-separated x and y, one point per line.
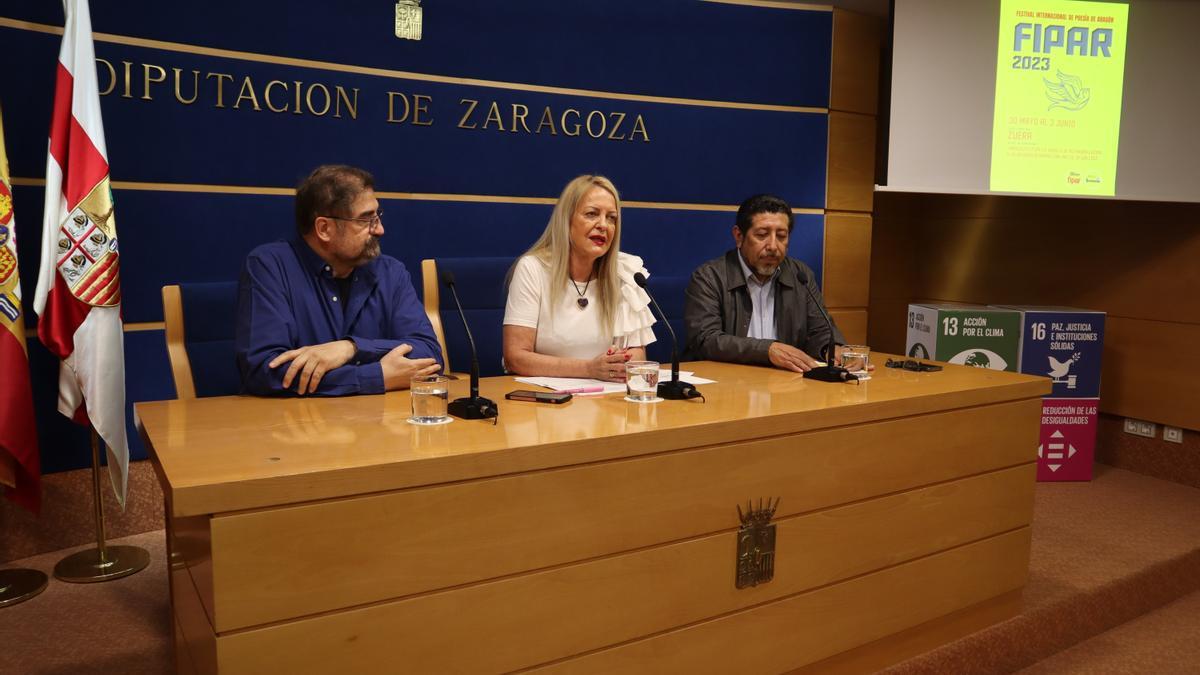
1173	434
1140	428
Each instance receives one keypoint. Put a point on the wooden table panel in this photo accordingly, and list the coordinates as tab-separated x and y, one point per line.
349	552
811	626
617	598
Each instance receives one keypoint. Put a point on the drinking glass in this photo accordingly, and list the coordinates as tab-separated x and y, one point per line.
430	394
856	359
641	381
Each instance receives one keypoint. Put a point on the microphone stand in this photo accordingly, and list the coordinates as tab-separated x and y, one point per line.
828	372
473	407
676	389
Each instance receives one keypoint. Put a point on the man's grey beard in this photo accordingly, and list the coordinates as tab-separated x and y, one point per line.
370	251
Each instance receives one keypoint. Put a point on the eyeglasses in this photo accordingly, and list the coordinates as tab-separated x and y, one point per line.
915	366
365	223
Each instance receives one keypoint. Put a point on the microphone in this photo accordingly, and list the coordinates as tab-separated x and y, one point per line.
828	372
676	389
473	407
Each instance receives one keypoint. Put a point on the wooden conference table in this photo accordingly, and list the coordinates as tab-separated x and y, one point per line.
599	536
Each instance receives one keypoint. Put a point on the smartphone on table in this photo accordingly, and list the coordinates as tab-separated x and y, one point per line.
537	396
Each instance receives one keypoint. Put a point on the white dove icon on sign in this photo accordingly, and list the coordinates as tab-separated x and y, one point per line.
1059	370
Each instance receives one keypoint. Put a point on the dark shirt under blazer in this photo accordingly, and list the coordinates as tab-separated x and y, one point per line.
717	311
286	300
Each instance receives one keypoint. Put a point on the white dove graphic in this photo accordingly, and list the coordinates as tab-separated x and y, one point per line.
1059	369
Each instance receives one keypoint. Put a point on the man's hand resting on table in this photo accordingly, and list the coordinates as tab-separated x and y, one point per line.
309	364
398	369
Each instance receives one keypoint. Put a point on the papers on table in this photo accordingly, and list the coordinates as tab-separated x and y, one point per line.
581	386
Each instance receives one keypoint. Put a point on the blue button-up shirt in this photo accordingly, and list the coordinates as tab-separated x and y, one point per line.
762	299
288	298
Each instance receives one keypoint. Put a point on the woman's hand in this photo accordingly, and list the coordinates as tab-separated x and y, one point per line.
609	366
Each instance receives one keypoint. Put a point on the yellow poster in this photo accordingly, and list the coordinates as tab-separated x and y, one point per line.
1059	75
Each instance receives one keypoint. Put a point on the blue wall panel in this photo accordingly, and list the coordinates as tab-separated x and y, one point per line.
678	48
757	63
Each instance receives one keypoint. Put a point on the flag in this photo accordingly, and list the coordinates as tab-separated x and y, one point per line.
20	467
78	298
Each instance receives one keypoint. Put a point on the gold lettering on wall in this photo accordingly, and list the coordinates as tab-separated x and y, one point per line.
494	116
639	126
421	106
308	98
598	115
247	93
519	112
127	66
616	125
195	87
267	96
462	123
547	121
563	122
392	96
112	76
161	76
221	77
318	98
352	106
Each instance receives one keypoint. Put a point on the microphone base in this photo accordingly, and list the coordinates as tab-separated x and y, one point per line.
831	374
677	390
467	408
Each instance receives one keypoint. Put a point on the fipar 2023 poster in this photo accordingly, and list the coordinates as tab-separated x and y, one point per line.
1059	76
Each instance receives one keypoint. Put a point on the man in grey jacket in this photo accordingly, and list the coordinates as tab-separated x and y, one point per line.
750	305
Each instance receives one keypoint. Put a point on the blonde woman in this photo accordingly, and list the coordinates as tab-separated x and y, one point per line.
573	292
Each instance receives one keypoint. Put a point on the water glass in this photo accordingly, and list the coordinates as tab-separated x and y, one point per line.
856	358
430	394
641	381
619	343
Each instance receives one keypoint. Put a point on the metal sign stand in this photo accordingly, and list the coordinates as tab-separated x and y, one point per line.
103	563
20	584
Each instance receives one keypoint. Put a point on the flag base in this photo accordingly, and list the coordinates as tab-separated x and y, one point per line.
92	565
19	585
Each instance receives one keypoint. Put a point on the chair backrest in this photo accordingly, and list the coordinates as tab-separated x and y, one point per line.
199	322
480	286
669	292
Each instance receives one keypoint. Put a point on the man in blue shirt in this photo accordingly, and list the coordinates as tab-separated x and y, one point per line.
325	313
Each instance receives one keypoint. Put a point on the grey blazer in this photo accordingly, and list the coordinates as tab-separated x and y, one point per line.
717	311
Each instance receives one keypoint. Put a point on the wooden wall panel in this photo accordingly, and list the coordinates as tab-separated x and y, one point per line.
1134	260
853	323
847	260
854	86
1149	371
851	176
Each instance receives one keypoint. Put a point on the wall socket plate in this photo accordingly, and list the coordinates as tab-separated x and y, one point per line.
1140	428
1173	434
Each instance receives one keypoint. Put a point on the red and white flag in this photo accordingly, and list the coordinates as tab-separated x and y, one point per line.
78	299
20	467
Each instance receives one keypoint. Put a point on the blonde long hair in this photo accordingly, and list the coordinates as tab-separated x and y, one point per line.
554	248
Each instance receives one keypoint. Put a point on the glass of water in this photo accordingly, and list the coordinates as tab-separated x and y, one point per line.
856	359
430	394
641	381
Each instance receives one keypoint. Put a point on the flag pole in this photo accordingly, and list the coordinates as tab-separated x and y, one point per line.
103	563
